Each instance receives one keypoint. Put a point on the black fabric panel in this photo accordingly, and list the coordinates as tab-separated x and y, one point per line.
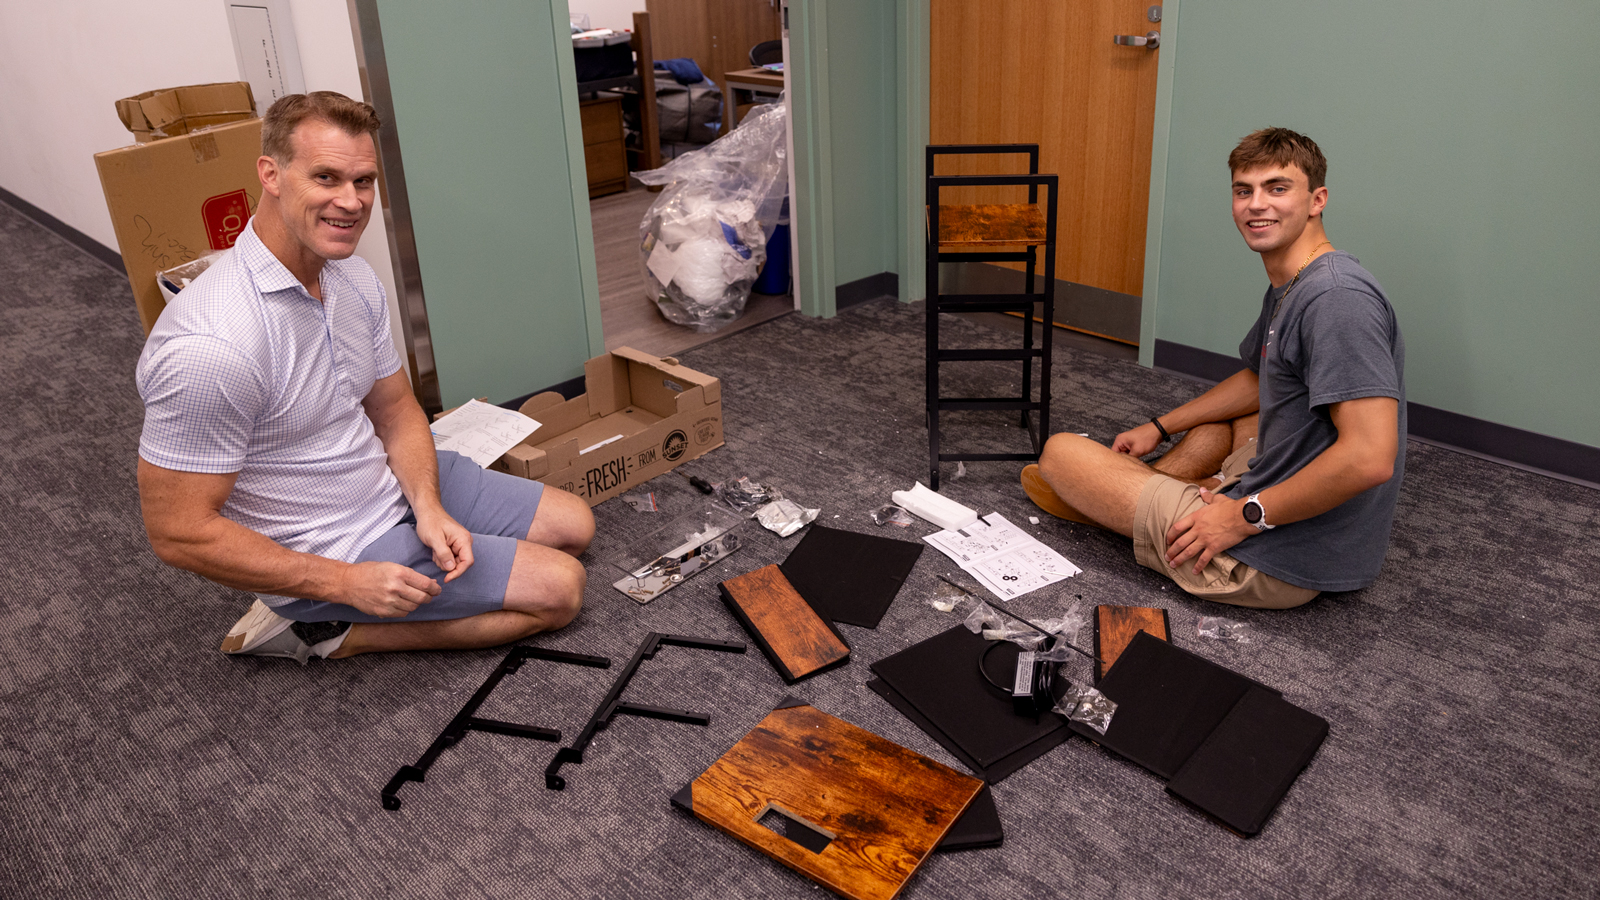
1241	771
978	827
940	677
684	799
993	774
849	577
1168	701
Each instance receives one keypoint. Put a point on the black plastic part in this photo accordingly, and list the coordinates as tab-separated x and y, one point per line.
847	576
978	827
465	721
612	705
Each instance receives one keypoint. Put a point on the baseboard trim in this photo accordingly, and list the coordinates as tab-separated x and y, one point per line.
883	284
1526	450
568	389
66	232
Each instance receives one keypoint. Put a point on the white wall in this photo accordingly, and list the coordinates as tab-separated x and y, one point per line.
63	66
615	14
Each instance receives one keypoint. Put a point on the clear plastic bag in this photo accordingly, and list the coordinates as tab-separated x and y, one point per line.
784	516
1220	629
703	241
1087	705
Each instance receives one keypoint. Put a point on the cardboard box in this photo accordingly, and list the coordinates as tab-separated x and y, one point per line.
666	415
177	199
171	112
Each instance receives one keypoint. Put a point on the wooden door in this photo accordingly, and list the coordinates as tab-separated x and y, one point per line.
1047	72
736	26
716	34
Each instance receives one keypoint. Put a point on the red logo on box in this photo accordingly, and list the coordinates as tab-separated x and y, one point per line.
225	216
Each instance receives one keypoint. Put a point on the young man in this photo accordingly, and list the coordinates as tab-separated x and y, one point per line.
283	452
1285	484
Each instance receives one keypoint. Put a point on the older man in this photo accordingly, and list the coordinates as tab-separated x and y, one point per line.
284	453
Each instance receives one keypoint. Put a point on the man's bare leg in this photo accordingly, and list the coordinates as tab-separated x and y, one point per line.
1095	480
563	521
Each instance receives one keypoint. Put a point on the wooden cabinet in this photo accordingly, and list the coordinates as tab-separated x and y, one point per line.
603	149
716	34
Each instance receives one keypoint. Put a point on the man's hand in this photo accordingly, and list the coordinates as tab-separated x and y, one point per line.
1139	441
385	589
451	544
1204	533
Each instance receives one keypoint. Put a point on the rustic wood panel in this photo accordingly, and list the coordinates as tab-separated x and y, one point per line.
1115	626
886	807
736	26
1046	72
681	28
990	225
791	633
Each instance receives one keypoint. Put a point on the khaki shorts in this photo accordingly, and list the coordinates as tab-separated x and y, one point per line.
1164	501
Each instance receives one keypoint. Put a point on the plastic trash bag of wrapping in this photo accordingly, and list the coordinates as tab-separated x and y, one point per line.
703	241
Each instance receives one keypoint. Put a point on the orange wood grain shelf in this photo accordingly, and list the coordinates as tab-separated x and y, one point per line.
990	225
885	807
797	641
1115	626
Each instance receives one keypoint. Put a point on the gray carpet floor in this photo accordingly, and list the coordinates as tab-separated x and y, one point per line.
137	761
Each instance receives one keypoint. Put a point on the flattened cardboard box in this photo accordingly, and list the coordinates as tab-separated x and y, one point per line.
665	413
170	112
177	199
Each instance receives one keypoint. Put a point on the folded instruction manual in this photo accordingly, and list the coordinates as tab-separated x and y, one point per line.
1004	558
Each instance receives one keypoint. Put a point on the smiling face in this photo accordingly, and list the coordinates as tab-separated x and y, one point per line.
1274	205
322	197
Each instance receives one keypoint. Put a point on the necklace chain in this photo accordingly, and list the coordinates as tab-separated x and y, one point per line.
1296	279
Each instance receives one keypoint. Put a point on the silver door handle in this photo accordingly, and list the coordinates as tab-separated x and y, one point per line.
1151	40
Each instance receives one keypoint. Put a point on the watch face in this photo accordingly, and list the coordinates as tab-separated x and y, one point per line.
1252	512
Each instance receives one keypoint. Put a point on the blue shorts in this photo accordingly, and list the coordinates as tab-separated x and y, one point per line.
497	508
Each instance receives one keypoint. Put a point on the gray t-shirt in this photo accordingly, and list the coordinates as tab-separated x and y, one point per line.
1335	339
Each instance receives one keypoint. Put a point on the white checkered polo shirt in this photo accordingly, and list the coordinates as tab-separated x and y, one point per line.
246	372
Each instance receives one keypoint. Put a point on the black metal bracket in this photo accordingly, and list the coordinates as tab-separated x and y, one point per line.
465	721
613	705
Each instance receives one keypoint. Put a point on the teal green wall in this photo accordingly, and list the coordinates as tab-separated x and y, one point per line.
486	110
1460	138
845	67
861	76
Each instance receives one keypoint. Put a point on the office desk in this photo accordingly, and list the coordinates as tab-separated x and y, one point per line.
744	85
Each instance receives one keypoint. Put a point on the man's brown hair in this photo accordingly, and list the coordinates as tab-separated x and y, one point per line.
350	116
1279	147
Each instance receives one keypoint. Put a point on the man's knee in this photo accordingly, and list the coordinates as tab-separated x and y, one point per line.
546	584
563	521
1065	451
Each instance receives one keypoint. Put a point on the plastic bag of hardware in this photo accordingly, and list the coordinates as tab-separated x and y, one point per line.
982	619
644	502
1220	629
947	597
785	517
892	515
744	496
1087	705
703	241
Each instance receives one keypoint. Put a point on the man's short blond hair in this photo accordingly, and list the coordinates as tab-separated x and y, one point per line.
277	128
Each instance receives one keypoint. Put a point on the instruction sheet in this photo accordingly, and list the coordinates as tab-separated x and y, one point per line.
481	432
1004	558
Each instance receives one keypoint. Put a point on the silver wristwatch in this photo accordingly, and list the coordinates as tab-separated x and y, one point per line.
1255	513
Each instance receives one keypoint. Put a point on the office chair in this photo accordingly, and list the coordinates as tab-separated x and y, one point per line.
766	52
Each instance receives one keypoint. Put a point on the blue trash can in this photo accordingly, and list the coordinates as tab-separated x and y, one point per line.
774	277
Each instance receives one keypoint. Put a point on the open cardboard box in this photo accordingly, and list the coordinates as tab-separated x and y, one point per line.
176	199
665	414
171	112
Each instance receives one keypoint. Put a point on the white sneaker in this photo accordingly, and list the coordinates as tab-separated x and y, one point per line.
262	632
